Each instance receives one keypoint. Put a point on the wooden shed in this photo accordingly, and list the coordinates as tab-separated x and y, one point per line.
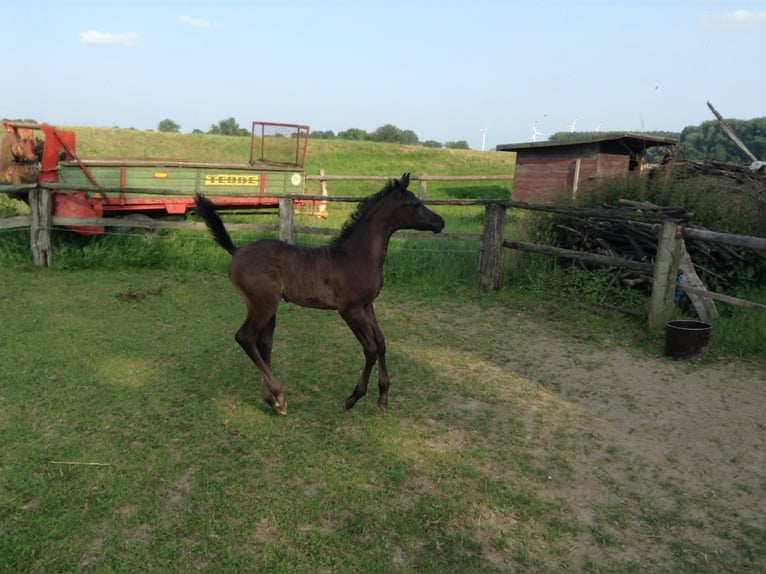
547	172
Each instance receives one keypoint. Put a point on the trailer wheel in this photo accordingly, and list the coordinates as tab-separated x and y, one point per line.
138	229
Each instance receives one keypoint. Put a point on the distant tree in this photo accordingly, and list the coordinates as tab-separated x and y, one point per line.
228	127
409	137
566	137
391	134
168	125
708	141
20	121
197	131
432	143
461	144
323	135
353	134
387	133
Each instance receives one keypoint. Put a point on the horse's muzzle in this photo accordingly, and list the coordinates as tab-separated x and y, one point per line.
438	224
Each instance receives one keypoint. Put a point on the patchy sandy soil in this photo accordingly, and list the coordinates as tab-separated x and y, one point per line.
688	444
691	438
668	457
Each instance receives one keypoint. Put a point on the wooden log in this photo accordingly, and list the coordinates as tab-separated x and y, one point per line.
637	250
421	177
155	224
665	279
723	298
40	227
286	219
747	241
576	178
580	255
24	187
730	132
491	261
15	222
751	242
704	306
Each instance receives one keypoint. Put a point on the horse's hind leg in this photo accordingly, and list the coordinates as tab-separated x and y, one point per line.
266	340
255	338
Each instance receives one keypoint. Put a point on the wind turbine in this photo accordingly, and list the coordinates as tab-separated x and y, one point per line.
483	137
535	133
572	126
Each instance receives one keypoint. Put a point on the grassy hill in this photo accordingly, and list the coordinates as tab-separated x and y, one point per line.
336	157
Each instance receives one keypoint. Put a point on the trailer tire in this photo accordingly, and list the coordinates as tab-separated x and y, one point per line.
138	229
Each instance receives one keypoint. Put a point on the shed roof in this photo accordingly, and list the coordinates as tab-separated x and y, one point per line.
635	142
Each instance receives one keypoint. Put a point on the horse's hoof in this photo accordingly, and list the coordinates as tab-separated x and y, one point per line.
348	403
280	409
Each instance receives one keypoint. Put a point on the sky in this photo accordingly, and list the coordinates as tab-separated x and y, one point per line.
488	72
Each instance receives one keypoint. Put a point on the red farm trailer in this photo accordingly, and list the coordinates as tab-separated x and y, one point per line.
89	188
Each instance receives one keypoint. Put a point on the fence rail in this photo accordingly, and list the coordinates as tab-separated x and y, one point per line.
670	230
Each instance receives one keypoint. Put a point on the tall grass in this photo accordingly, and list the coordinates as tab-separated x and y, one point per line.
419	263
737	331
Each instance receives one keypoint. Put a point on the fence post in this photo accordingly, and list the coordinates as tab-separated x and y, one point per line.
40	229
423	187
323	186
286	219
665	275
491	262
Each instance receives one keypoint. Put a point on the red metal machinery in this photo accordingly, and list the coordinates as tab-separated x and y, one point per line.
108	188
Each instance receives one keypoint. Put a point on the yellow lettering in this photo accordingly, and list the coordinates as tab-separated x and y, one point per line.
232	180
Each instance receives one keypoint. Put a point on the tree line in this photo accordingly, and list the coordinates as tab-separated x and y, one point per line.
703	142
706	141
387	133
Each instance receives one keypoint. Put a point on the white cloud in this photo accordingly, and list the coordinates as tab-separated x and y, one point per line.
736	18
195	22
106	39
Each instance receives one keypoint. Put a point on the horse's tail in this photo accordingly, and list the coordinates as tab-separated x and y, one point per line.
206	210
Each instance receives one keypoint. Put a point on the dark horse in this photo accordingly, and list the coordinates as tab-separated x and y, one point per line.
345	275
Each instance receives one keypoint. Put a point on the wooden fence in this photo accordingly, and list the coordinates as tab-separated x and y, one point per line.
492	241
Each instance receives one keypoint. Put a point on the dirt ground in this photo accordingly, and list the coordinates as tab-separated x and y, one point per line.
663	461
685	443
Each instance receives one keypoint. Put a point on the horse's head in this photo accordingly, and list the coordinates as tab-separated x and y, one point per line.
411	213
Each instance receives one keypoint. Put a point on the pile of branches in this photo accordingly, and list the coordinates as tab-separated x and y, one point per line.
725	176
631	232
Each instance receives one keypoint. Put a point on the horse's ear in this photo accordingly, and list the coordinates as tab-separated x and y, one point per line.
405	181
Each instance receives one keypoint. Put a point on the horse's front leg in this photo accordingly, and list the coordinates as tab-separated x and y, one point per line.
361	321
380	342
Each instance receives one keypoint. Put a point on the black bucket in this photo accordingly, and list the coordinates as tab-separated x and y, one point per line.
687	339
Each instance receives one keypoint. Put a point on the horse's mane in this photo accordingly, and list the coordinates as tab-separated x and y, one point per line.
362	209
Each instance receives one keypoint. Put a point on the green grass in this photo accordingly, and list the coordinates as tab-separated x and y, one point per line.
137	372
